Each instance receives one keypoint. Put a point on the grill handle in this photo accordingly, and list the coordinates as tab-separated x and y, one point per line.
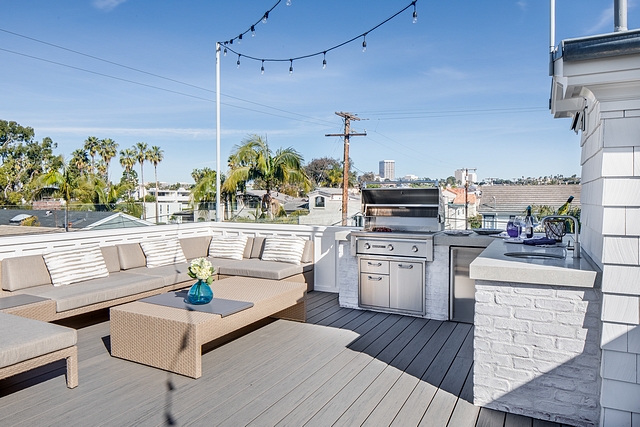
374	264
409	266
377	279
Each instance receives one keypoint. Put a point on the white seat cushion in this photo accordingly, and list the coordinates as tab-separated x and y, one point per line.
283	249
162	252
231	247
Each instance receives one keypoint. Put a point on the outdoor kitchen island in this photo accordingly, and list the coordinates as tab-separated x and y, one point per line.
537	333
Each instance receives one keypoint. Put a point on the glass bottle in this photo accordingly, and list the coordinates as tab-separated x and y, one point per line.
528	224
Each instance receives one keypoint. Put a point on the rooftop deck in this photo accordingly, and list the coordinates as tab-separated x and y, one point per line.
343	367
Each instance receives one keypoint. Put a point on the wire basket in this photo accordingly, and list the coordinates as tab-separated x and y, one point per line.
555	229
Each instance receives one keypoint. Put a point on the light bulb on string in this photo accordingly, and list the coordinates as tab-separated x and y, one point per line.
265	17
291	67
288	2
238	61
415	13
324	60
364	43
262	67
253	31
225	52
240	39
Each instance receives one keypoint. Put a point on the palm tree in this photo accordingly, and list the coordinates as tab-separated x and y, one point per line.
128	161
155	156
92	144
142	154
64	181
253	159
204	191
108	150
80	160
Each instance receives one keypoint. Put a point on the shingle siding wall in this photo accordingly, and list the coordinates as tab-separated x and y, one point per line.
536	351
611	234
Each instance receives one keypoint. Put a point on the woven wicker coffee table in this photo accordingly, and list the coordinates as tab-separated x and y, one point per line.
171	338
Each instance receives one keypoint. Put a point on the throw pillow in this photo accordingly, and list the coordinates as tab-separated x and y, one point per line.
75	265
228	247
162	252
283	249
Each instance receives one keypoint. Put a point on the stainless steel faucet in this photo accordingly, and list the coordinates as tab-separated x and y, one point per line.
576	235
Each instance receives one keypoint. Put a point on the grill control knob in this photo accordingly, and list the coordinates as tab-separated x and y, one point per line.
390	247
367	246
414	248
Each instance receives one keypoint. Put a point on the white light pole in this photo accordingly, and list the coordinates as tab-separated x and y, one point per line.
218	218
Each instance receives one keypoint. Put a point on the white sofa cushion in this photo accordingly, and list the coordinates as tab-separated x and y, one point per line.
162	252
231	247
283	249
75	265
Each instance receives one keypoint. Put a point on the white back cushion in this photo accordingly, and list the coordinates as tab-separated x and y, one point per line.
75	265
162	252
228	247
283	249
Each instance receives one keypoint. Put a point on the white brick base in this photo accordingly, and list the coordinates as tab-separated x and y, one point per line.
536	351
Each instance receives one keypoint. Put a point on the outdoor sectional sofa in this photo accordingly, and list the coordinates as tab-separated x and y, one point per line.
129	278
29	299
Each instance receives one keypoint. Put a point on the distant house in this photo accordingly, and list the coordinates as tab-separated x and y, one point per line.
500	202
78	220
454	207
325	207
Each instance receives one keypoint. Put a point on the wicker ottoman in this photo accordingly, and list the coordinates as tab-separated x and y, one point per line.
171	338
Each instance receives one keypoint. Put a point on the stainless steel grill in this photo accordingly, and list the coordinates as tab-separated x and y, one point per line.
394	246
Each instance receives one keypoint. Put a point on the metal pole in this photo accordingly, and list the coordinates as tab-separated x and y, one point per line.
620	15
552	26
218	217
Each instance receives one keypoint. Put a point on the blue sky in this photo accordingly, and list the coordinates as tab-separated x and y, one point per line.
466	86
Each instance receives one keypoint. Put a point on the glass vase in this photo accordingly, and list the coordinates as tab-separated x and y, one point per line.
200	293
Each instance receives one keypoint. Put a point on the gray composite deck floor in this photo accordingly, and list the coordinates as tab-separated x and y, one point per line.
342	367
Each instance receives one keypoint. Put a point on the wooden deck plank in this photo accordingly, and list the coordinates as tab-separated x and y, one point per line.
513	420
343	367
465	412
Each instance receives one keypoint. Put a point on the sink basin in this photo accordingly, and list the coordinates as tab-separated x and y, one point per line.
533	255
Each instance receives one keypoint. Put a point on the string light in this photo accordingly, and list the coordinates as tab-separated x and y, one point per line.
262	67
323	52
253	31
225	51
240	39
288	2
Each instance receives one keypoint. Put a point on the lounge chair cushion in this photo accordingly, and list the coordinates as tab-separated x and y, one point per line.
228	247
170	274
287	249
24	272
117	285
195	247
263	269
24	339
307	254
75	265
216	263
248	248
162	252
110	255
130	255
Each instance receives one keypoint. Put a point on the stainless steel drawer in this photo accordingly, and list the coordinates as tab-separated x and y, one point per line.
372	265
374	290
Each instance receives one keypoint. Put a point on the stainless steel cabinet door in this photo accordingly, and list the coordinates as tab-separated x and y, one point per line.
406	283
374	290
463	289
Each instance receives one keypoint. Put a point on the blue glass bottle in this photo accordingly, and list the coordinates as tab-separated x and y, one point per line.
200	293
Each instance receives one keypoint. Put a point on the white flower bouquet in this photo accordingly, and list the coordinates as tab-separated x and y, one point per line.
201	269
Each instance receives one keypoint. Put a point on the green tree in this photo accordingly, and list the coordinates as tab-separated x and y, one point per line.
253	160
128	161
108	149
64	181
203	193
142	155
92	145
156	155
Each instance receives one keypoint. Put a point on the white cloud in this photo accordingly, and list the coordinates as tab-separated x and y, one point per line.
107	5
605	20
448	72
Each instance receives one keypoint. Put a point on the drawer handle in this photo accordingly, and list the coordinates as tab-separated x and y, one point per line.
409	266
377	279
375	264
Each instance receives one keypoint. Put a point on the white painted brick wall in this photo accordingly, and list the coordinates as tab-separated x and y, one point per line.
536	351
347	277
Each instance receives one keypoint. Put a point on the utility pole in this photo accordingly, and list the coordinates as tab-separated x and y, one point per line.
466	197
345	168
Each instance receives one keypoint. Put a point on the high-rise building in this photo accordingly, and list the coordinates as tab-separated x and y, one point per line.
387	169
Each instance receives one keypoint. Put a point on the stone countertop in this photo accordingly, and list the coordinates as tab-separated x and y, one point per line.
442	239
493	265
